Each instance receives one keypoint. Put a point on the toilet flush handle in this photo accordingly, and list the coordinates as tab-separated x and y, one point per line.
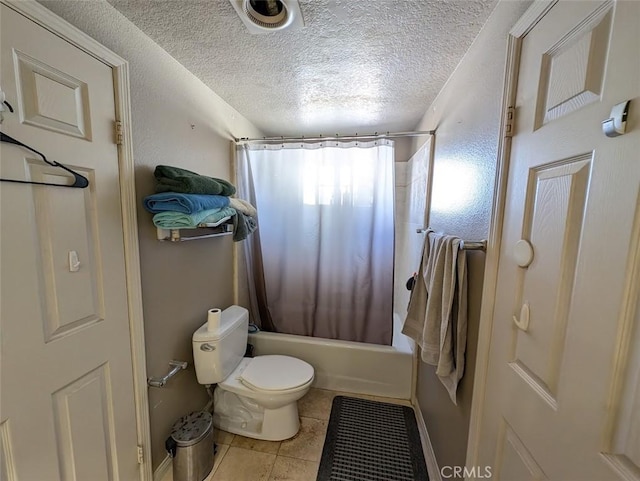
207	347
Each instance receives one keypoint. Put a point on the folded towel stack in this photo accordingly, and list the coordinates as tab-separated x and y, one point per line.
185	199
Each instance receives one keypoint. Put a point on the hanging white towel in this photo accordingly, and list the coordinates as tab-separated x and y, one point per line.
437	314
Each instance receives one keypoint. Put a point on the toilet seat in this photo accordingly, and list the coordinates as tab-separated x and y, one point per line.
275	373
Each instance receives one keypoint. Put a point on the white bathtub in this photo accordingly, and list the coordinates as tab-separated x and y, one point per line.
347	366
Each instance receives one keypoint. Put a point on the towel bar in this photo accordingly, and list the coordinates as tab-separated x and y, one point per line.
175	235
466	245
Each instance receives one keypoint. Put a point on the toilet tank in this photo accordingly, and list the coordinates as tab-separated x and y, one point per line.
217	353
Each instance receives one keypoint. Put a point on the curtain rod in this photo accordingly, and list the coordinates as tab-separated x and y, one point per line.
376	135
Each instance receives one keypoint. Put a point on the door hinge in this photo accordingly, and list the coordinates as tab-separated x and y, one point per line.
140	455
119	133
509	124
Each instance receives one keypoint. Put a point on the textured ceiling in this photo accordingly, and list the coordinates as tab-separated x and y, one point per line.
356	66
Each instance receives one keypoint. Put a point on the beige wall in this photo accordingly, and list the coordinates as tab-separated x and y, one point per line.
177	120
466	115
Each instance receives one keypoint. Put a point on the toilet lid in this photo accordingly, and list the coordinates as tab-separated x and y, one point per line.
276	373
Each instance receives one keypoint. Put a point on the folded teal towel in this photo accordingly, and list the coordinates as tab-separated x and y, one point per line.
178	220
185	203
175	179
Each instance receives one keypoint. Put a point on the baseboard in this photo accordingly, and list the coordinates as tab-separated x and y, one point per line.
162	470
427	447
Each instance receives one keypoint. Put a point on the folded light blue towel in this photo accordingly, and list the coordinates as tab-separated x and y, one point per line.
179	220
185	203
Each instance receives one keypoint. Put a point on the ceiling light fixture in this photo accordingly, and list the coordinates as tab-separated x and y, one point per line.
264	16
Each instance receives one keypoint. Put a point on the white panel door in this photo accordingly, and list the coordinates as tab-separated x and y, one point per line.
562	392
67	402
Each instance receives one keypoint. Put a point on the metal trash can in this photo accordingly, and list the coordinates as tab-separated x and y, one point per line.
191	446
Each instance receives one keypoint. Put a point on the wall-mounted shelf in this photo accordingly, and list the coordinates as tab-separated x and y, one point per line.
204	231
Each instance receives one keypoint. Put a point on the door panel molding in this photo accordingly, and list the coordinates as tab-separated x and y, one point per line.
7	464
85	430
582	50
520	457
73	301
553	217
120	67
32	77
620	448
625	470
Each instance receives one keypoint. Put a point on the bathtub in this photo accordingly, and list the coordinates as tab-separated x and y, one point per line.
348	366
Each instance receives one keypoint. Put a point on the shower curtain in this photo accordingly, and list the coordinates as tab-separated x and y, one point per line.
321	262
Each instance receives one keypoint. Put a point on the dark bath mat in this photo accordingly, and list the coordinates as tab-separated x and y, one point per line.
371	441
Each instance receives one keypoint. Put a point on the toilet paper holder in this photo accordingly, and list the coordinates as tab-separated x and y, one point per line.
177	366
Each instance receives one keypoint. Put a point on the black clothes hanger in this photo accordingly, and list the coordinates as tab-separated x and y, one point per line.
80	182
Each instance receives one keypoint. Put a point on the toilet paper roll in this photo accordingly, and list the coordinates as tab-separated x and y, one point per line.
213	319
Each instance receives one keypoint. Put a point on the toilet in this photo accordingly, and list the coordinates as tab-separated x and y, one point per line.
255	397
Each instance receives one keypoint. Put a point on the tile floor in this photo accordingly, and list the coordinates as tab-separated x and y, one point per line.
296	459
